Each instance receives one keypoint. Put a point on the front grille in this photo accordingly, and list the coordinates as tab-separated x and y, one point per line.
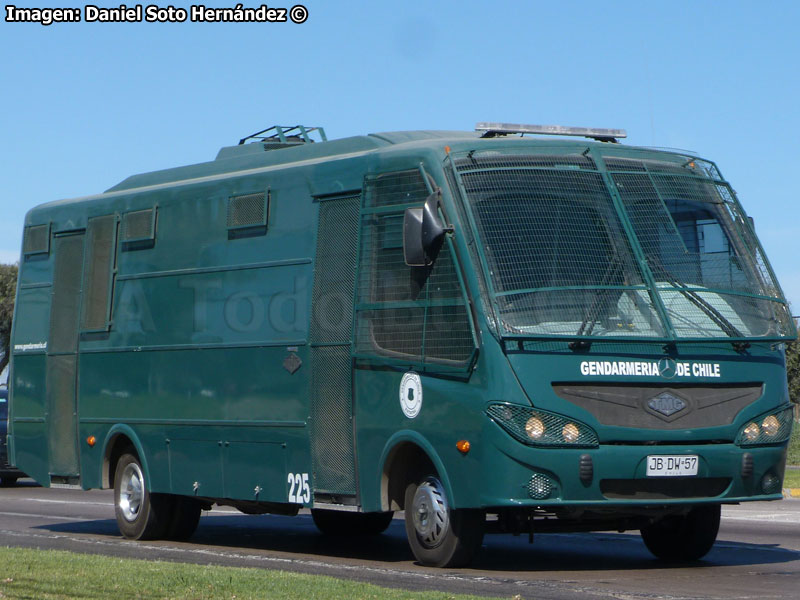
664	488
638	406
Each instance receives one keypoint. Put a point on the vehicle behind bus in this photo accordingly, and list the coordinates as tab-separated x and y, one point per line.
8	474
489	331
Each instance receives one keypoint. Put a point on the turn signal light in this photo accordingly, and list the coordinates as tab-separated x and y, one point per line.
91	440
463	446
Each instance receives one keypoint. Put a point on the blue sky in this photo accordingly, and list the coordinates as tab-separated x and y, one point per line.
82	106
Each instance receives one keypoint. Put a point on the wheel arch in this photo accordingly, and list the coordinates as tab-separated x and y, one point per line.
407	456
120	438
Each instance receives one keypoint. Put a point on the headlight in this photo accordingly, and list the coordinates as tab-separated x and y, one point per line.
775	427
770	425
751	431
537	427
570	433
534	428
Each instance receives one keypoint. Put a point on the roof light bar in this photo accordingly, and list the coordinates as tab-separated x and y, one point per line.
603	135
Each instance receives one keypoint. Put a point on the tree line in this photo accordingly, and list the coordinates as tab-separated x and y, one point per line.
8	289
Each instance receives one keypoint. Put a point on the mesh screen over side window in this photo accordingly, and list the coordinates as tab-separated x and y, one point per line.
409	313
36	240
98	273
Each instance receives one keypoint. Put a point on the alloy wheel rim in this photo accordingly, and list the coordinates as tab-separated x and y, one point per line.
430	513
131	493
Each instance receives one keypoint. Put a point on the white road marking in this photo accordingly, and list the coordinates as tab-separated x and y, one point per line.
776	517
75	502
217	511
35	516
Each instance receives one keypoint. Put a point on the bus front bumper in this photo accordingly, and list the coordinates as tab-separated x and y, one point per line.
519	475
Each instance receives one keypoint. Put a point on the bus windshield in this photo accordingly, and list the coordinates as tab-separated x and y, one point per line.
619	247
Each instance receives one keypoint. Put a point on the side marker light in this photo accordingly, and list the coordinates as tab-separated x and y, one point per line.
463	446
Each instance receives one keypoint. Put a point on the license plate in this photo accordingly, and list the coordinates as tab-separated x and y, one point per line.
671	466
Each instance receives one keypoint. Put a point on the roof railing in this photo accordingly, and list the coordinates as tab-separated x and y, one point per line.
287	134
500	129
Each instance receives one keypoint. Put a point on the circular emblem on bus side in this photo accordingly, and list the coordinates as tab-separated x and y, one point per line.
667	367
411	394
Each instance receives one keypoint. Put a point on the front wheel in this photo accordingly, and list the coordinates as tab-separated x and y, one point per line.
140	514
438	535
684	537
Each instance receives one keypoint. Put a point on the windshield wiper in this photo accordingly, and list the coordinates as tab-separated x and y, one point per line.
588	323
704	305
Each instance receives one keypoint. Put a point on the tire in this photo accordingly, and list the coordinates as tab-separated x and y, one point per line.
334	522
184	519
438	535
684	538
140	514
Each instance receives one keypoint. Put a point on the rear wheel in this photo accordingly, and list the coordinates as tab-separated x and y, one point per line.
438	535
184	519
334	522
140	514
684	537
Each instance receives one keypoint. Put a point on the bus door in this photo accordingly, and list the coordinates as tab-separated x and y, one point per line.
61	419
331	335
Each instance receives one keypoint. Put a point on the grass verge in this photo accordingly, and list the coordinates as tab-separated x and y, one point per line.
57	575
791	479
793	457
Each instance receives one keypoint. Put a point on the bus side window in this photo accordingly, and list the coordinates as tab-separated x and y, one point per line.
408	313
98	273
248	215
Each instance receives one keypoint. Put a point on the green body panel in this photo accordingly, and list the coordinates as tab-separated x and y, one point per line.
206	366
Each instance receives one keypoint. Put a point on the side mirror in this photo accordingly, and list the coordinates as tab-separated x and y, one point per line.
423	233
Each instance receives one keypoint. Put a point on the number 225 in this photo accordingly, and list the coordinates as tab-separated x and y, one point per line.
299	492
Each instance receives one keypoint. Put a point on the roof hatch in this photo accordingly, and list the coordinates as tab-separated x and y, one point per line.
276	137
281	136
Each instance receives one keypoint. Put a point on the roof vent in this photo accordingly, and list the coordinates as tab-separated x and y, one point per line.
281	136
499	129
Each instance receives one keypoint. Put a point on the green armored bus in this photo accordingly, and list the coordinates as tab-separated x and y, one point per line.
491	331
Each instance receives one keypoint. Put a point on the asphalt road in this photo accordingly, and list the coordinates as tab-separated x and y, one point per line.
757	554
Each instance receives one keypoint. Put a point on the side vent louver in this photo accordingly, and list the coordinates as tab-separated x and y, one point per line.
248	214
138	229
36	240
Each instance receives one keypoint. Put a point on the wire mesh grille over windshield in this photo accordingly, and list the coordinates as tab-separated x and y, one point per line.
654	246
